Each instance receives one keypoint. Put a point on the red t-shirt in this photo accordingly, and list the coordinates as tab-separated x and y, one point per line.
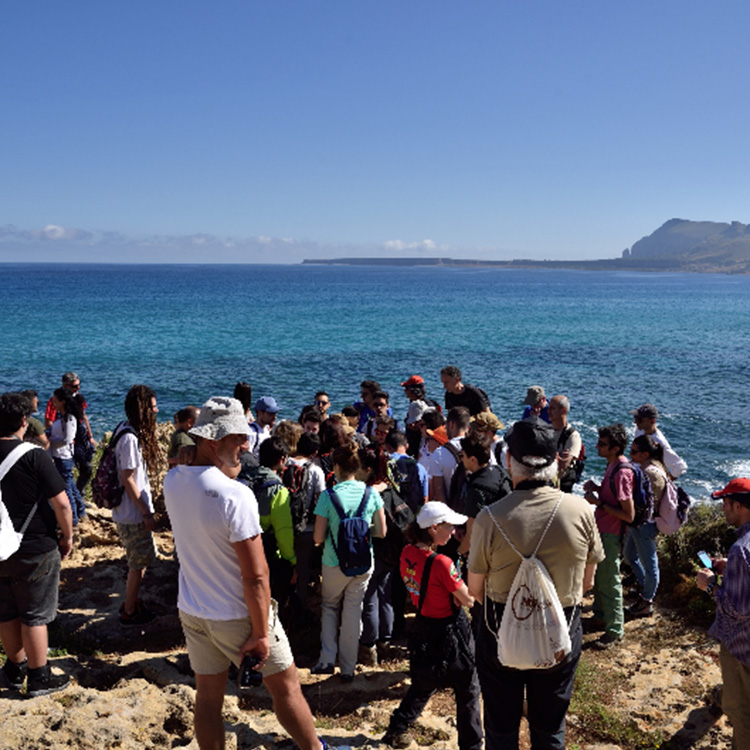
444	580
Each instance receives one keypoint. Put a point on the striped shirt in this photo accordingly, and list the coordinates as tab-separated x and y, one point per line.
732	624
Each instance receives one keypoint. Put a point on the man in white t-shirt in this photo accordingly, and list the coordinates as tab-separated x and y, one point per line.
224	597
645	417
266	410
568	441
445	459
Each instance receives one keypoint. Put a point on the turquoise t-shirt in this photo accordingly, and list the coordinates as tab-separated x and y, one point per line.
350	495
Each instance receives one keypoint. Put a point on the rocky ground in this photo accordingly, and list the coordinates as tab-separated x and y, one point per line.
132	688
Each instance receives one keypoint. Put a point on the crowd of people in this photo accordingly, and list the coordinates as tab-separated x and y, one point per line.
435	508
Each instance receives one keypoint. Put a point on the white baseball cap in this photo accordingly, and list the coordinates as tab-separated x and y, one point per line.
437	512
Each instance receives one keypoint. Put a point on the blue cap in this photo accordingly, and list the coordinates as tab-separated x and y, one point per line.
267	403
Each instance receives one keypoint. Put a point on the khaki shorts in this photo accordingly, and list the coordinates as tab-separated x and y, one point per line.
138	541
213	644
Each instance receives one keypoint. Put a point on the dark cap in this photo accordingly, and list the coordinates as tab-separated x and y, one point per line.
738	488
534	395
532	437
647	411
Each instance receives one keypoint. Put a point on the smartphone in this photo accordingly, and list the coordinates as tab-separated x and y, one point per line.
249	676
705	559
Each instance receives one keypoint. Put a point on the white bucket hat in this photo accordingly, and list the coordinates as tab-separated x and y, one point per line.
220	416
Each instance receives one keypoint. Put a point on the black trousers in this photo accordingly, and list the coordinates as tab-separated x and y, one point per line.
465	684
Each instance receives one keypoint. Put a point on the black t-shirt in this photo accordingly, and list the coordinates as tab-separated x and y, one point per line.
471	397
33	477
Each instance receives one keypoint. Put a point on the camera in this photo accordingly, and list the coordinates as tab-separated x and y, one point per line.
249	676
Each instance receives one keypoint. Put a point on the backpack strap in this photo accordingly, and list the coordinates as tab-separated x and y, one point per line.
8	463
363	503
453	451
20	450
541	538
337	506
425	580
619	465
123	430
565	433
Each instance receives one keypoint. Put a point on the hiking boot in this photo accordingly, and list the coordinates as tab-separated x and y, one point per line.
642	608
606	641
393	739
42	682
716	697
367	656
632	594
140	615
14	674
592	624
322	669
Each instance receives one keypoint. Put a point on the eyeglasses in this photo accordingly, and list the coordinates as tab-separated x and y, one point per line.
322	403
603	443
75	386
381	432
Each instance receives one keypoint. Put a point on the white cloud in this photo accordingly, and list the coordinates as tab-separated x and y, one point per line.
423	246
45	245
56	233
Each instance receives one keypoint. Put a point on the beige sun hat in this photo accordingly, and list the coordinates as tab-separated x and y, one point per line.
220	416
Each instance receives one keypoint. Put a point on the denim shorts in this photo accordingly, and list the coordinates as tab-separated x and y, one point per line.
29	587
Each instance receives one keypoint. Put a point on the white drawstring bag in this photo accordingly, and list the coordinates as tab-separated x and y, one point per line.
10	539
534	632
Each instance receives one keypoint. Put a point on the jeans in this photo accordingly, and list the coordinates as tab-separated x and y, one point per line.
341	595
608	587
65	469
548	691
377	609
640	554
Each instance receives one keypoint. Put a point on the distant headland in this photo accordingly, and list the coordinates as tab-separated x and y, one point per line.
677	245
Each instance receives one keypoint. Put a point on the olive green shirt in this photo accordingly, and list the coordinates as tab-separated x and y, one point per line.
571	542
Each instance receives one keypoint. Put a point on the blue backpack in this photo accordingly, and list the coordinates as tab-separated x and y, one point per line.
353	545
643	495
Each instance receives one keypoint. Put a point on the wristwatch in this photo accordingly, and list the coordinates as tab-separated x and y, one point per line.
710	587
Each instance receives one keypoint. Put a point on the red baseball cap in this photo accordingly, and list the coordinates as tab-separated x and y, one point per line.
739	486
413	380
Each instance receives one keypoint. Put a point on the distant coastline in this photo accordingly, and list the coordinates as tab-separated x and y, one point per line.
663	264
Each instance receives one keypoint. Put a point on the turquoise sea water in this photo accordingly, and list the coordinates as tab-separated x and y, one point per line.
610	341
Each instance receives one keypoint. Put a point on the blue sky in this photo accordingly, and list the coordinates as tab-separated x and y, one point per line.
274	131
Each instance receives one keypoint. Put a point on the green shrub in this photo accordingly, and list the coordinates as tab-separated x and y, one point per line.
706	529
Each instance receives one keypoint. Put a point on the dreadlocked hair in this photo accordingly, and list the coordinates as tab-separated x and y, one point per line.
142	418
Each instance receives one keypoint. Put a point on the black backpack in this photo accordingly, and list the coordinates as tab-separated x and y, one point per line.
398	517
82	448
457	492
574	471
352	546
403	474
296	479
643	495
